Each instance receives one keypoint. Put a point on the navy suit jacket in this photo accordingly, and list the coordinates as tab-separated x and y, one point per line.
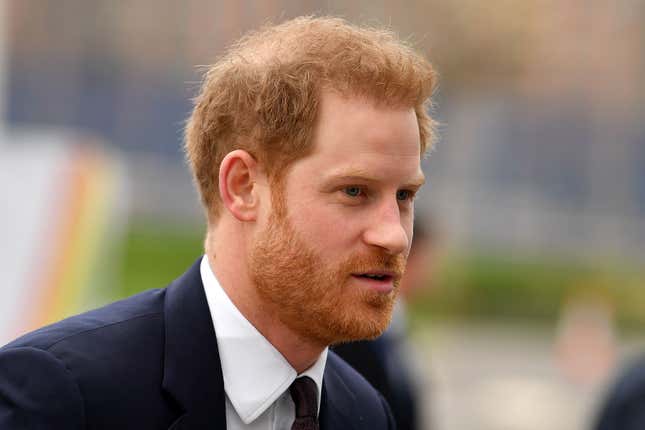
148	362
380	362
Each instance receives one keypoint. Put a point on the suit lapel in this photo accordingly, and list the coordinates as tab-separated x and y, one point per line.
192	370
336	402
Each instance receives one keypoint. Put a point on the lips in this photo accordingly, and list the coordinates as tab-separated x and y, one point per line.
380	281
379	276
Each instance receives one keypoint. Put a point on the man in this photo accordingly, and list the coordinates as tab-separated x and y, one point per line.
305	144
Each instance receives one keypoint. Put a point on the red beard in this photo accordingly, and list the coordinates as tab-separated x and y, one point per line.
320	302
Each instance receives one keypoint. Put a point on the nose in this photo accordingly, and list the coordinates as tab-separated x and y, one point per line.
386	230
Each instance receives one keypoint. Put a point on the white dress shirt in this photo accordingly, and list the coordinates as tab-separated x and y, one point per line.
256	376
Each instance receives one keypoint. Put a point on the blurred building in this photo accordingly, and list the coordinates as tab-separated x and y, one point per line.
552	159
543	142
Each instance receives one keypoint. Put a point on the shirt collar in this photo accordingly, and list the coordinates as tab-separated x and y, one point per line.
255	373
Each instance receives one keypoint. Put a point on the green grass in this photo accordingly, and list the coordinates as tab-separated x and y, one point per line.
479	286
469	286
156	254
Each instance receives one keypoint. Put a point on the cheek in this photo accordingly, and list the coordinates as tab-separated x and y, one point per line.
327	226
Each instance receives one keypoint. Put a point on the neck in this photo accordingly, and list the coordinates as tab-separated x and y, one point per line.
230	264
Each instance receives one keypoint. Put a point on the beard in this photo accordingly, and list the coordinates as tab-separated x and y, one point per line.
318	300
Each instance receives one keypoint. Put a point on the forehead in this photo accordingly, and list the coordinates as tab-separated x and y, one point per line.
355	133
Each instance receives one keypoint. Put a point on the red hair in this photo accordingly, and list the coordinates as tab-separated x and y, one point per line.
263	94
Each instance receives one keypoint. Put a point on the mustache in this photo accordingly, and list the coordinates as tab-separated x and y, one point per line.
376	262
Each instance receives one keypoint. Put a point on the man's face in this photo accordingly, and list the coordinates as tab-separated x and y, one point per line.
331	254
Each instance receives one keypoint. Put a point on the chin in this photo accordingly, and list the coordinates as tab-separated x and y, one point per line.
359	324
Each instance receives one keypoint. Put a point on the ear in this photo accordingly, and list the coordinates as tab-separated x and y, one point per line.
238	175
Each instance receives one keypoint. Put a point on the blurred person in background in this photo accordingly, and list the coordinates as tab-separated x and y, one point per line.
384	361
305	144
624	405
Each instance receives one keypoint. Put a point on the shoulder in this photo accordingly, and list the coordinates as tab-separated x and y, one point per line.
58	376
353	396
105	321
36	391
63	374
122	340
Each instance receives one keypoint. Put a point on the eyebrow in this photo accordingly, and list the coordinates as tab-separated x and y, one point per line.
362	176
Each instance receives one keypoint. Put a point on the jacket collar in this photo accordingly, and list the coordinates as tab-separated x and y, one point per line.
192	371
337	400
255	373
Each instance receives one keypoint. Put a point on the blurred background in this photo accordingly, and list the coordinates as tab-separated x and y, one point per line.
533	293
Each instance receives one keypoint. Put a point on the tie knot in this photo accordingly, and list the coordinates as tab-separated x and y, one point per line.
305	396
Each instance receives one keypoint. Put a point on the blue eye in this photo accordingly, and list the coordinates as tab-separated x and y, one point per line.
352	191
403	195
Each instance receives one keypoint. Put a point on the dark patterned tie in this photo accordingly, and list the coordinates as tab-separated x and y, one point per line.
305	396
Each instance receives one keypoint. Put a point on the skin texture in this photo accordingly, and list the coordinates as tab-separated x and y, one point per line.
290	255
